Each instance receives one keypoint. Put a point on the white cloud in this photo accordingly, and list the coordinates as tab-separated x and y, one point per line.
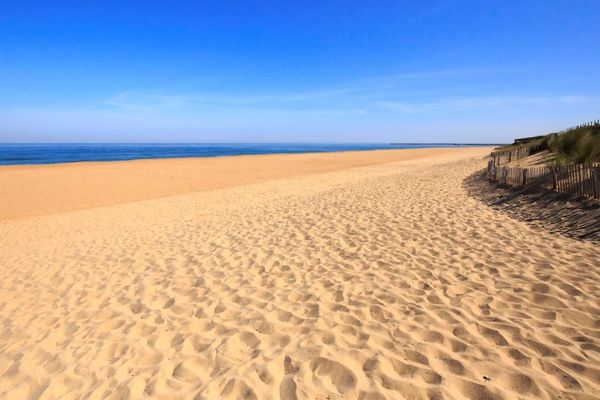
459	104
360	94
381	105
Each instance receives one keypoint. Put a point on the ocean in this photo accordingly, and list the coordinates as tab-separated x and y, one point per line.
15	154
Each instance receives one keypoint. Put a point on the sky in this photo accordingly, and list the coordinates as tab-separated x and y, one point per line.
296	71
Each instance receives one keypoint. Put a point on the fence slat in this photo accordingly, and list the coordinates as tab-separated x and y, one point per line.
581	180
580	176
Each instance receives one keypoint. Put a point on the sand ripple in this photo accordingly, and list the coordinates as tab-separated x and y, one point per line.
374	283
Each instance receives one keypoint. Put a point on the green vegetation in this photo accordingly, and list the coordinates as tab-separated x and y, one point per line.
580	145
575	145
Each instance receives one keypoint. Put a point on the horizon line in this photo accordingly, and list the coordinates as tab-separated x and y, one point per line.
259	143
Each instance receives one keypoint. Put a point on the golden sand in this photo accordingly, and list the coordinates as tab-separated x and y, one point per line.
349	275
44	189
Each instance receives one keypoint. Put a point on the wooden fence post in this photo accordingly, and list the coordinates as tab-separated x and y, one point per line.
524	176
554	186
595	182
580	175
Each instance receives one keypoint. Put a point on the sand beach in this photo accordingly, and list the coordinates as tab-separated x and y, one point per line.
356	275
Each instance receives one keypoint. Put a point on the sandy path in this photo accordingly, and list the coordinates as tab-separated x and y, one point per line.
379	282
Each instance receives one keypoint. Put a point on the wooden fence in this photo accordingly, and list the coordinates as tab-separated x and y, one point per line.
587	124
581	180
522	150
506	156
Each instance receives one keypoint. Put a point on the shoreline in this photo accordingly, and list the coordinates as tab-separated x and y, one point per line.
424	146
41	189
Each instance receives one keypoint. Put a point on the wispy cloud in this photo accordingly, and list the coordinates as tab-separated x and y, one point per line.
358	94
432	74
144	100
459	104
348	98
132	118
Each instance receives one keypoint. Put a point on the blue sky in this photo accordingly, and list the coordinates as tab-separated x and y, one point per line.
296	71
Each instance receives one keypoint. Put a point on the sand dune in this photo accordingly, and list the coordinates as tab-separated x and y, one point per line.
381	281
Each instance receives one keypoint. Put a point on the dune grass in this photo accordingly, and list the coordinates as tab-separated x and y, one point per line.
576	145
580	145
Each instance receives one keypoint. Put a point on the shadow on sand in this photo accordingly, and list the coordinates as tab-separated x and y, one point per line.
569	216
